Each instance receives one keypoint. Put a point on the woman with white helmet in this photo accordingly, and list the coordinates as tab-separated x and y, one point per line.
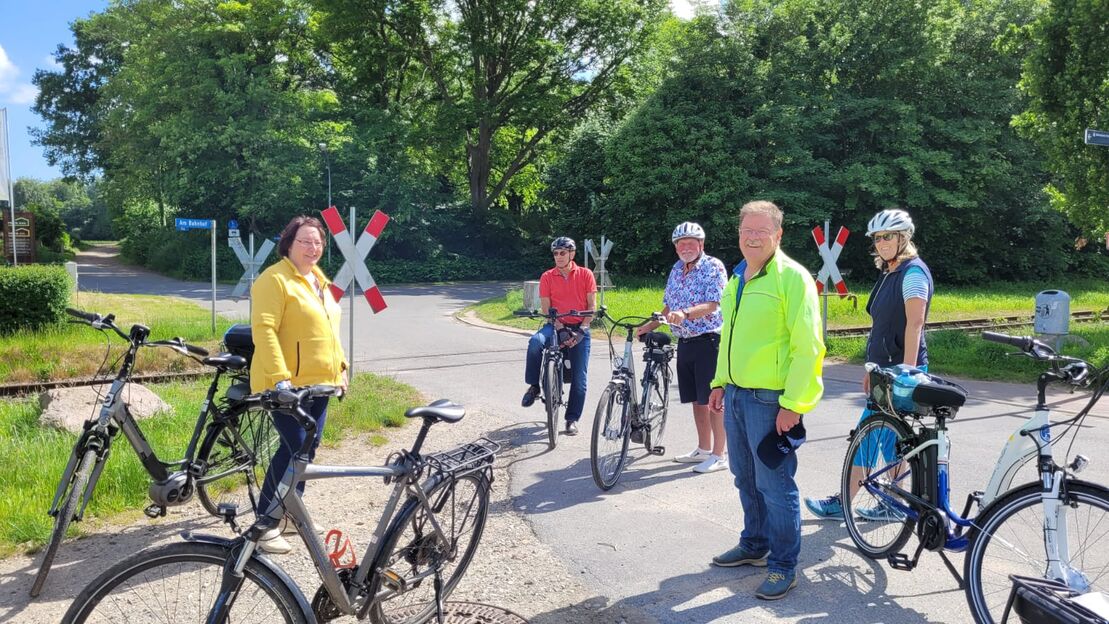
691	305
898	307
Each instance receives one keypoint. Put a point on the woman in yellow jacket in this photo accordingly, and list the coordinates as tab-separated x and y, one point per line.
295	325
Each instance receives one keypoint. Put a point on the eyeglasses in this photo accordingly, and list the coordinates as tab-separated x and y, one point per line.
750	233
560	252
888	236
310	244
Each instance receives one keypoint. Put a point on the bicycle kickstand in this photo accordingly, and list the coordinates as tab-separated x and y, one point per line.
951	568
439	615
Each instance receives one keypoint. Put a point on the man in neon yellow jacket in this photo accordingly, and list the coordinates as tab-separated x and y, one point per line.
768	373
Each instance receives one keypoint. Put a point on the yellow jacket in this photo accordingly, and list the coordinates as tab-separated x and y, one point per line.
296	335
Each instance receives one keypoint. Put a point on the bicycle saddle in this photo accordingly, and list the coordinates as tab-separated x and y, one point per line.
226	360
656	339
930	394
239	391
442	410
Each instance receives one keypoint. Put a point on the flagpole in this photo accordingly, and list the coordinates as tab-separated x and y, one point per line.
11	192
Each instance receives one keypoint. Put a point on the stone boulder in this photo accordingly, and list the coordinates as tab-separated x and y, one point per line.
69	408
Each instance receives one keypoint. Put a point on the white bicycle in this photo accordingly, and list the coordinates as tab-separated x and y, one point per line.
896	482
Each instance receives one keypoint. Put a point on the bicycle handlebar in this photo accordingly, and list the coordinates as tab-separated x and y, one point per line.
1024	343
291	401
87	316
553	314
179	344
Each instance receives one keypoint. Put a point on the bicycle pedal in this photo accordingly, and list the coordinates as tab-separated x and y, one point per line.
658	450
155	511
901	561
394	581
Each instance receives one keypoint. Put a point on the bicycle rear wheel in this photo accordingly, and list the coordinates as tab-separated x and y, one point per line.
178	584
656	399
405	568
65	515
874	459
608	448
552	398
237	454
1010	540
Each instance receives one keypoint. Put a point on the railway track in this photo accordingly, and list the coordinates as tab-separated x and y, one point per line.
981	324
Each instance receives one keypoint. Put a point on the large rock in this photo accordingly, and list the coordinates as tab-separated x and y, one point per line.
69	408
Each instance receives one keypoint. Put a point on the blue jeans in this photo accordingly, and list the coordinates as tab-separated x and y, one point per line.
769	497
579	365
292	436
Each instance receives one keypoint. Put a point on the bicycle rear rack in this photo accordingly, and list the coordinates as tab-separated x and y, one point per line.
476	455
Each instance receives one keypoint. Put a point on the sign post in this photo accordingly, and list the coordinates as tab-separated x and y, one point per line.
829	274
251	262
184	225
1101	139
600	255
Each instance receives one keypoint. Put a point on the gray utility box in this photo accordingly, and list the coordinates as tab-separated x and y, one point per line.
1052	313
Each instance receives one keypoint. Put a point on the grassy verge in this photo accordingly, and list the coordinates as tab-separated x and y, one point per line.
951	352
34	457
73	350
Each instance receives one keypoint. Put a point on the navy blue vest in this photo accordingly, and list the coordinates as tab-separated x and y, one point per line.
886	345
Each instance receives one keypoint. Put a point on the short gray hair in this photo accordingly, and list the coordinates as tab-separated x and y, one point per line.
763	207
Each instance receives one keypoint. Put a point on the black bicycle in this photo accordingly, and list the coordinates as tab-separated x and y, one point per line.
425	538
237	444
553	372
622	416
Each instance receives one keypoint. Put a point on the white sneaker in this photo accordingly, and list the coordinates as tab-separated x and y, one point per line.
695	456
273	543
288	528
712	464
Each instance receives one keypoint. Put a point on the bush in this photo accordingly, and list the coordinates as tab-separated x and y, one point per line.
32	296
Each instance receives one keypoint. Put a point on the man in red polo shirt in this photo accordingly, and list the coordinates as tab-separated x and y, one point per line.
566	287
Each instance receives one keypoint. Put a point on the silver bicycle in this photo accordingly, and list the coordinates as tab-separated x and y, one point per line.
423	543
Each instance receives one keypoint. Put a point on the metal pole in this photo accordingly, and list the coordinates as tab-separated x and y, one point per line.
250	299
213	277
824	313
11	188
353	285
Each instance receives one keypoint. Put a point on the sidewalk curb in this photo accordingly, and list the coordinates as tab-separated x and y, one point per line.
468	317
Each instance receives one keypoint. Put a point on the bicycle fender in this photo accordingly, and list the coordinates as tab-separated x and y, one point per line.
261	558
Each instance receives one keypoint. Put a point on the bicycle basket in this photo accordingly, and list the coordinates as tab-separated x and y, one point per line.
658	348
477	455
238	340
1042	601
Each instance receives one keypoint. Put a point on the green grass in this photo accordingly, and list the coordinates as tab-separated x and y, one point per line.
951	352
32	457
74	350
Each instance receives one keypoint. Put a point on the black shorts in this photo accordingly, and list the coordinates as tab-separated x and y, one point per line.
696	366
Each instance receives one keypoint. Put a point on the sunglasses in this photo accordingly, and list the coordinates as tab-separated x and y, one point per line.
888	236
560	253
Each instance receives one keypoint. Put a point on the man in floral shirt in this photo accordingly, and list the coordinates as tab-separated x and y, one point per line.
691	306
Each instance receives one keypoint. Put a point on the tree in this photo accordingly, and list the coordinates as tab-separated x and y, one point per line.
1066	78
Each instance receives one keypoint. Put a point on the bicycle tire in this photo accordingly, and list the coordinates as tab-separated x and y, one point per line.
552	398
231	465
611	434
64	517
656	397
409	552
1015	520
876	435
153	585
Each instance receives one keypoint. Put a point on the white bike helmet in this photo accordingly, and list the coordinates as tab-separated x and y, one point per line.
893	220
688	229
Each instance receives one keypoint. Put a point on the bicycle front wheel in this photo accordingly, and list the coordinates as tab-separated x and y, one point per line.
608	449
236	454
874	460
178	584
404	573
66	513
552	398
656	401
1010	539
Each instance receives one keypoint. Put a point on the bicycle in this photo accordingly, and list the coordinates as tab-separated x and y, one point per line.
622	414
1039	529
552	372
428	532
237	444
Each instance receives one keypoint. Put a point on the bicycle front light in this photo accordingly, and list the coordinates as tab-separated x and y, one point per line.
617	363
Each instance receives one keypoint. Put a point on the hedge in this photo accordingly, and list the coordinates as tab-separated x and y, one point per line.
33	296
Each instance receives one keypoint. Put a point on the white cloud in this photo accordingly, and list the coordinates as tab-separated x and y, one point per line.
23	94
50	63
682	8
8	71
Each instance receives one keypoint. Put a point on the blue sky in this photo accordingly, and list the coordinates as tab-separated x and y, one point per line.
31	32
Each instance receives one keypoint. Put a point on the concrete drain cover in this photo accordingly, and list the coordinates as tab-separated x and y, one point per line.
469	613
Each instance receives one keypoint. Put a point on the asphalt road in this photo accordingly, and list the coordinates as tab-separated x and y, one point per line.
647	543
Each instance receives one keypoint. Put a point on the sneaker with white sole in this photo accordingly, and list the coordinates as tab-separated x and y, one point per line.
712	464
272	542
695	456
288	528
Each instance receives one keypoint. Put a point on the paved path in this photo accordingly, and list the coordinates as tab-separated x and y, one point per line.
646	544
